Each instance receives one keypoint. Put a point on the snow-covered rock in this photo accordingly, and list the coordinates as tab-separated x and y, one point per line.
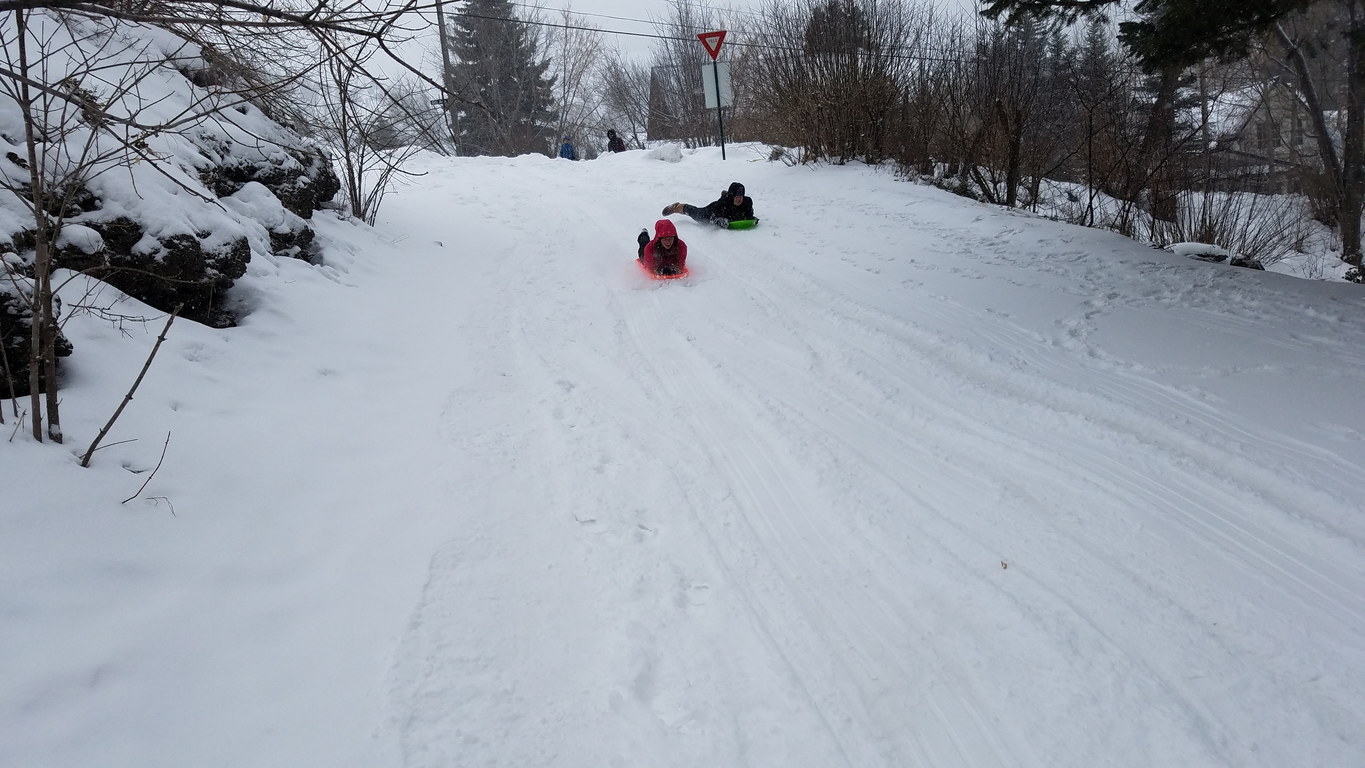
170	217
1201	251
1214	254
157	201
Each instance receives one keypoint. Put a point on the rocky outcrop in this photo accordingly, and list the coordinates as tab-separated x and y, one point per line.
302	185
183	270
16	333
174	217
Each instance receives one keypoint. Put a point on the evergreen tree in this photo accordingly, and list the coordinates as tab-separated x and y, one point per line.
1021	103
1097	63
1100	89
507	98
837	28
1167	33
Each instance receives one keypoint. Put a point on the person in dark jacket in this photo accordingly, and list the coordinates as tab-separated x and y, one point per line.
665	254
566	150
733	205
614	142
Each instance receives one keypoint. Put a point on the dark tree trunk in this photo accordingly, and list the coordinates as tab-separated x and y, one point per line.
1353	149
40	301
1155	138
1013	125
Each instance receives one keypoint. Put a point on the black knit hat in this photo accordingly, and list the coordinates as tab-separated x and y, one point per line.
736	188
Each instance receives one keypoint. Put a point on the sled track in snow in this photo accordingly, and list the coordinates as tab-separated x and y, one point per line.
775	486
1036	385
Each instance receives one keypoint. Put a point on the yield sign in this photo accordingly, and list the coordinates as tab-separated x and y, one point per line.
711	42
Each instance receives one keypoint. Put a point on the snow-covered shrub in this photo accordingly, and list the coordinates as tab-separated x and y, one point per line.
1262	229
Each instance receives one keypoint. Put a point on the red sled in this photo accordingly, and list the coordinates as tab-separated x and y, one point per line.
657	276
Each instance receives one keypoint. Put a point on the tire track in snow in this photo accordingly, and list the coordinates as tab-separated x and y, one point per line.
842	607
574	413
852	436
809	534
840	395
980	379
1246	483
474	681
742	559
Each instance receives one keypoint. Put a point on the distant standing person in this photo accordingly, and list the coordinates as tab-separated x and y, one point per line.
566	150
614	142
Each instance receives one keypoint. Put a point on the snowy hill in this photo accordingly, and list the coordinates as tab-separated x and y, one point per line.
895	479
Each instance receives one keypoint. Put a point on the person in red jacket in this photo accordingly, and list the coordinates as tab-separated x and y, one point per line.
665	254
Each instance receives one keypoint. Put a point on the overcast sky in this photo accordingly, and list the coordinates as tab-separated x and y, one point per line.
628	24
633	18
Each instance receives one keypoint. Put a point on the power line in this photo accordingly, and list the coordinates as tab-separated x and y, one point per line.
757	46
946	56
639	21
464	14
580	13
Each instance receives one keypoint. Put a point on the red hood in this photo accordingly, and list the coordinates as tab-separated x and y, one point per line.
664	228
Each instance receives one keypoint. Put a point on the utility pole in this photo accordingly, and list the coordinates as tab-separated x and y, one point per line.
448	101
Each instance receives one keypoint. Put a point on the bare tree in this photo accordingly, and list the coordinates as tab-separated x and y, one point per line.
968	123
780	83
1098	86
922	122
374	128
575	50
625	97
677	105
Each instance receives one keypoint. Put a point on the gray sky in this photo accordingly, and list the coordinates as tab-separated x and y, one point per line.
629	16
610	16
635	16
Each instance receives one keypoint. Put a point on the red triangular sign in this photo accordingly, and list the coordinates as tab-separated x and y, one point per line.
711	42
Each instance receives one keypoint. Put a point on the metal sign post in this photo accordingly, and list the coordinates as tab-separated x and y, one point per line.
711	41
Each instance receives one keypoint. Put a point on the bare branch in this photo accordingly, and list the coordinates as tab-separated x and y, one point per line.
155	469
85	460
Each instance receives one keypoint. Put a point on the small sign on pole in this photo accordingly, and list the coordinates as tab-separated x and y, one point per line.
712	41
715	86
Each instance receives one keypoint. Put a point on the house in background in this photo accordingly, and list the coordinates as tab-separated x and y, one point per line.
1261	139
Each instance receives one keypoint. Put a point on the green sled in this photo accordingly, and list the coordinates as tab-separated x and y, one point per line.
744	224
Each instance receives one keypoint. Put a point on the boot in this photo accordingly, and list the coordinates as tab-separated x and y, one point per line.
674	208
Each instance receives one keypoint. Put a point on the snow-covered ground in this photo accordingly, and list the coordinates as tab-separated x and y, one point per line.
895	479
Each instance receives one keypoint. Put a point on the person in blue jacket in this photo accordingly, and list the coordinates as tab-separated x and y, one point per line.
566	150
